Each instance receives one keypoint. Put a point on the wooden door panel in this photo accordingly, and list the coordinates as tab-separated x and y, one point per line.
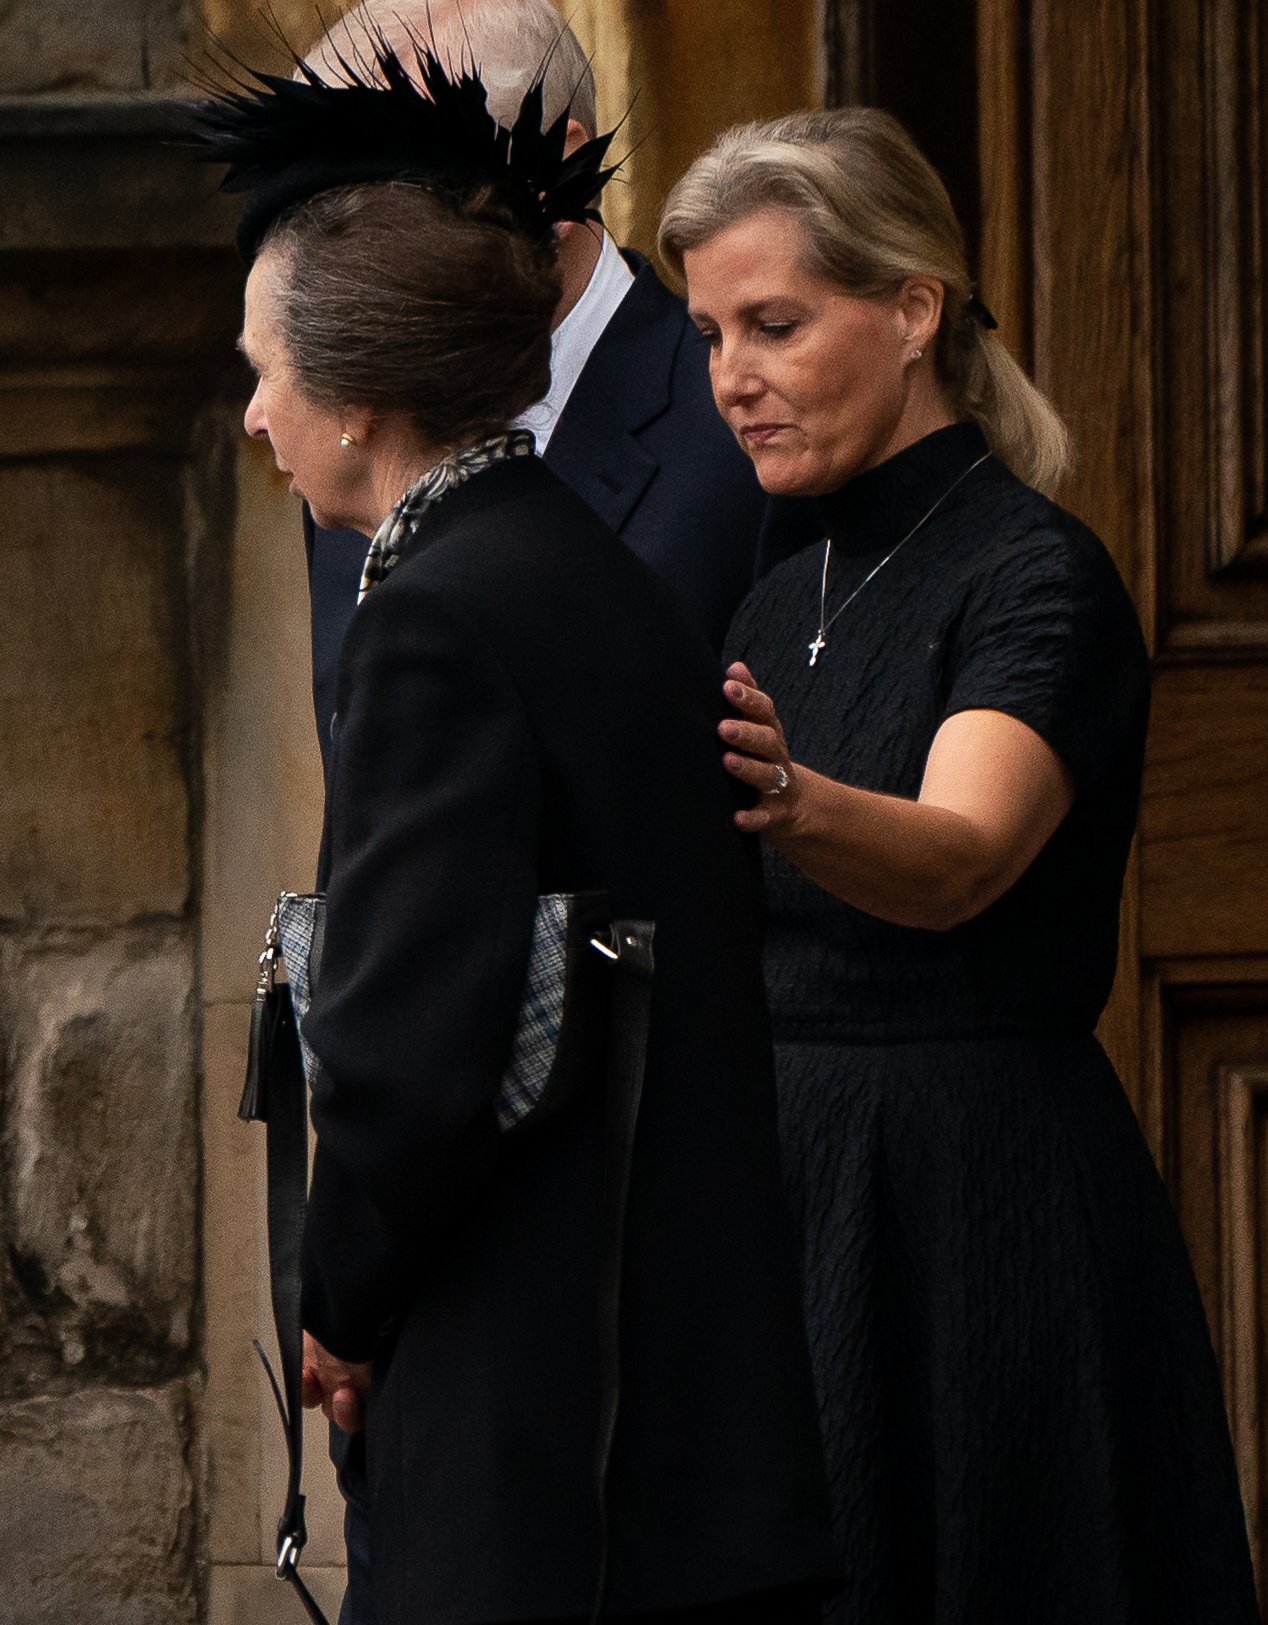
1211	166
1207	1030
1204	814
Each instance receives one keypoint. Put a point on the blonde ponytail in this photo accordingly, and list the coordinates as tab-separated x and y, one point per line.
875	213
984	381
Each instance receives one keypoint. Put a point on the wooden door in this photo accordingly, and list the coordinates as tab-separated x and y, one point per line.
1119	201
1125	207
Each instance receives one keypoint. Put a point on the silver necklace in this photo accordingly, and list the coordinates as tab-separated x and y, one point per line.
820	641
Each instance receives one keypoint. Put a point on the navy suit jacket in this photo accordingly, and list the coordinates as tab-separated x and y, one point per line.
640	440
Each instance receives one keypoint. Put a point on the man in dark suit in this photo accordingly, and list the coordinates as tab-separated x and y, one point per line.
630	422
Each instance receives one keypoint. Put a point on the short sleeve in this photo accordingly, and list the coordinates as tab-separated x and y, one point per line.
1047	633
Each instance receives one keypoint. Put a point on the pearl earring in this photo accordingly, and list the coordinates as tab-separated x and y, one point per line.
346	440
915	355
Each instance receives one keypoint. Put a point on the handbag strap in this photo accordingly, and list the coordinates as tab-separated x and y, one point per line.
629	944
277	1095
292	1534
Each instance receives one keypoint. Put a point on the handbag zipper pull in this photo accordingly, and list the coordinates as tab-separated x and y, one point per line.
253	1107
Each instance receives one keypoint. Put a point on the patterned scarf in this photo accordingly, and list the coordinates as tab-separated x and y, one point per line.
397	529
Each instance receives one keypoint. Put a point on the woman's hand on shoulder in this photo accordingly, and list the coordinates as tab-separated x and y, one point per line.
757	755
993	793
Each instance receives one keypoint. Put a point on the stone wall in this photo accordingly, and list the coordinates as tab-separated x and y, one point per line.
118	307
159	781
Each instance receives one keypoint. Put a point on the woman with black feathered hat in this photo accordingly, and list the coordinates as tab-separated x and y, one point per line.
491	747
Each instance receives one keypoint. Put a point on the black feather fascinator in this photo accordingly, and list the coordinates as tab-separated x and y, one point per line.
287	139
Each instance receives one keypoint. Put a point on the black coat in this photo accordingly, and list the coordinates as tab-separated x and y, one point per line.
522	709
641	441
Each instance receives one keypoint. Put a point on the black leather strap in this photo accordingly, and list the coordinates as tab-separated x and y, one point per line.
279	1097
629	945
291	1531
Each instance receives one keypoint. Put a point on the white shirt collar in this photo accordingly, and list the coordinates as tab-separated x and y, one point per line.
575	337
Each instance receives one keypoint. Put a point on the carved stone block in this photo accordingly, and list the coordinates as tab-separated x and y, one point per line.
93	704
62	45
174	310
106	174
96	1509
101	1149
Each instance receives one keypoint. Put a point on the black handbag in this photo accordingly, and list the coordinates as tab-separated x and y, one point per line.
584	1012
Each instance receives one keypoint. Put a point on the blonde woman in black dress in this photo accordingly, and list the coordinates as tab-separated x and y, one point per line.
943	707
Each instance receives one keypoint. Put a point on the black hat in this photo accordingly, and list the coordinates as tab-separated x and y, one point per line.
287	139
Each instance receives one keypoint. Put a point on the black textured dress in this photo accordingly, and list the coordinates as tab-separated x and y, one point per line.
1021	1405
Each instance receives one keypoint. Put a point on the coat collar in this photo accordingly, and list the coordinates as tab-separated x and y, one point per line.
625	385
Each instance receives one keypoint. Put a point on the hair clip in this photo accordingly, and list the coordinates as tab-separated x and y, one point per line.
977	311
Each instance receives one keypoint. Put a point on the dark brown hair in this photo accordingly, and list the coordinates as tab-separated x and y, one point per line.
401	301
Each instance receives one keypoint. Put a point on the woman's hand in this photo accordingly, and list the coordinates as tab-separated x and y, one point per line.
338	1386
993	793
758	755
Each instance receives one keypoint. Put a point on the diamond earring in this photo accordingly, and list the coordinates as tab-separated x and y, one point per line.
346	440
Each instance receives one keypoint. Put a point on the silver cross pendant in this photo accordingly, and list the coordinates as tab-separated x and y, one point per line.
820	643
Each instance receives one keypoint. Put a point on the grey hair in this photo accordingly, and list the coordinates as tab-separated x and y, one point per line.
510	42
874	212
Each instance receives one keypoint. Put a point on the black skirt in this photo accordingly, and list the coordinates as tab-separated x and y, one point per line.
1021	1405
